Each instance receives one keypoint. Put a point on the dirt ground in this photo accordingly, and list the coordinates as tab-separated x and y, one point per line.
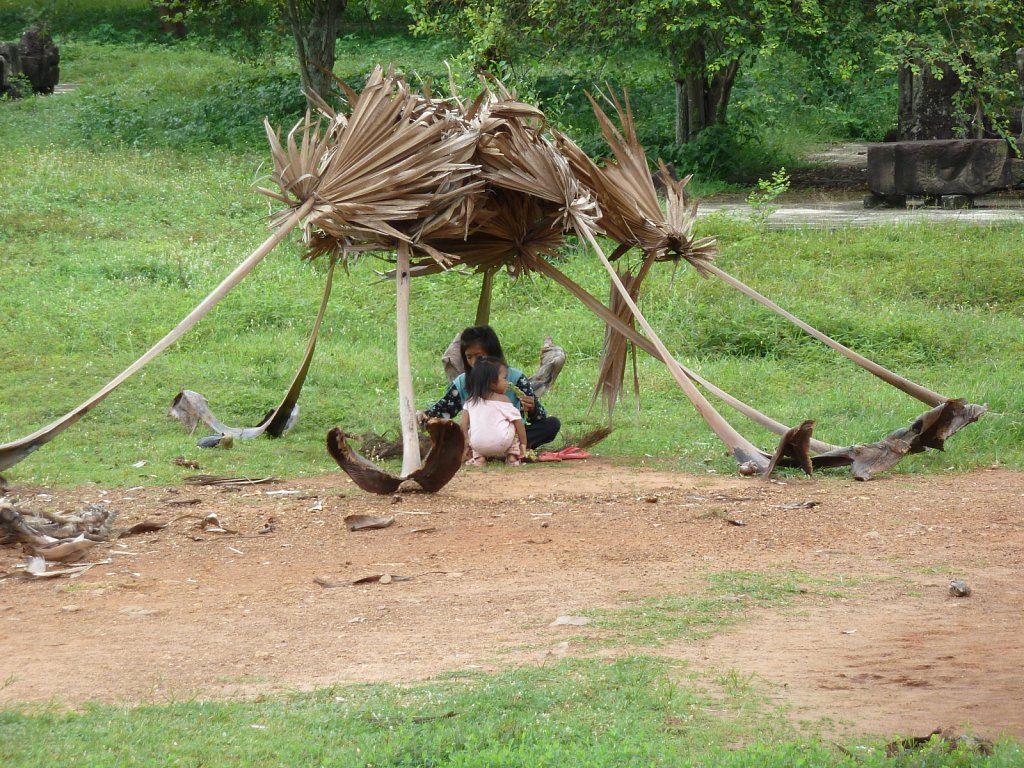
500	553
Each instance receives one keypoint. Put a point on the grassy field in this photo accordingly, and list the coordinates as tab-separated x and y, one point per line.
122	218
630	712
128	199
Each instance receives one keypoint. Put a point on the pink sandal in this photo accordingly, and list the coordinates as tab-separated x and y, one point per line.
572	452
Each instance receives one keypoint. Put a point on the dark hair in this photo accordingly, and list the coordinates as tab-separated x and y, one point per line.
483	335
483	375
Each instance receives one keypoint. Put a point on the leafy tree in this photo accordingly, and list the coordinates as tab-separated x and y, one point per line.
704	42
313	24
973	41
499	37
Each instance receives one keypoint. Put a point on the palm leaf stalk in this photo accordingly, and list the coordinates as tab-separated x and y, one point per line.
742	449
190	407
277	420
907	386
612	371
595	305
406	394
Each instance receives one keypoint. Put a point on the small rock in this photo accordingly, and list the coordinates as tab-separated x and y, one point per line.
570	621
959	588
138	612
215	441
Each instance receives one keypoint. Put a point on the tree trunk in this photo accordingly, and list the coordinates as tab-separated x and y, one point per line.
314	25
721	91
682	117
702	99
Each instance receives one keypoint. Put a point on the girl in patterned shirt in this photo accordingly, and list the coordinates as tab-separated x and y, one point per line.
479	341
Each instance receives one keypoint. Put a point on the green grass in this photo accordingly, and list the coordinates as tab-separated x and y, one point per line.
109	237
630	712
725	600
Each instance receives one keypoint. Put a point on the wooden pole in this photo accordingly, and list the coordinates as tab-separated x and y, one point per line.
742	450
406	396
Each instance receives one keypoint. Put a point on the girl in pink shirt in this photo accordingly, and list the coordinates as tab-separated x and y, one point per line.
492	425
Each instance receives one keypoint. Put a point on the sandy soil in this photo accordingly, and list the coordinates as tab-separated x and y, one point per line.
502	552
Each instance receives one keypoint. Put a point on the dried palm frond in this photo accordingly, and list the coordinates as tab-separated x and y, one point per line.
510	230
442	462
297	167
518	159
612	372
379	174
631	214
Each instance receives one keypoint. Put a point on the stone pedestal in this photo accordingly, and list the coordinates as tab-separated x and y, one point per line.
942	167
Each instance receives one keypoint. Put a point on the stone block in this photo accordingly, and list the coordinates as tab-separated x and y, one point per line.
40	61
939	167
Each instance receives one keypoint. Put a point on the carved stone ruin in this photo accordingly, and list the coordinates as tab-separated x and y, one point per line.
933	169
35	57
926	104
1020	92
941	156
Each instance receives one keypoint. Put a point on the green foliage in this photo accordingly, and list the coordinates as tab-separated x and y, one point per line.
18	87
733	151
181	100
120	21
762	197
813	91
977	40
247	29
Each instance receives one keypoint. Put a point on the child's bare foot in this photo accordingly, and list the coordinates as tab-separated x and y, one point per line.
513	460
477	461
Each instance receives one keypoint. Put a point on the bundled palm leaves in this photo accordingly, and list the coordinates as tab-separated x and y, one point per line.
486	184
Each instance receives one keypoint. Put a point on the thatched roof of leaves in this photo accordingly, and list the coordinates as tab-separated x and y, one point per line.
478	184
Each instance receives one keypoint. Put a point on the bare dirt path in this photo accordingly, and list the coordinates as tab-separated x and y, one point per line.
502	552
